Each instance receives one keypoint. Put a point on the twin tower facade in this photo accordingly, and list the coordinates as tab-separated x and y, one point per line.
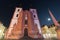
22	20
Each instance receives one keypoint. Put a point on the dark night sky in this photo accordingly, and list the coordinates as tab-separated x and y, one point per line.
7	8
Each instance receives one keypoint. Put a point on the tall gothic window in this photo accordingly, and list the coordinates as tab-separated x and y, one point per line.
18	10
34	16
25	32
25	21
17	15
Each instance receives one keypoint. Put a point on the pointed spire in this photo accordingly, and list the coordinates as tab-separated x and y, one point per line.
53	18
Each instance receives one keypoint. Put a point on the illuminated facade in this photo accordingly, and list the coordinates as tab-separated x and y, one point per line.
2	30
21	20
56	24
49	33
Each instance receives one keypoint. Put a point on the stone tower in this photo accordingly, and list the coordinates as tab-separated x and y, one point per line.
21	20
56	24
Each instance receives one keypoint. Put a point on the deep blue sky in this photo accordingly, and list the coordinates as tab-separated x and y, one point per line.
7	8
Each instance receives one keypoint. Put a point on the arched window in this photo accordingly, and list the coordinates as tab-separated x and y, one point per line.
34	16
17	15
18	10
25	32
25	21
